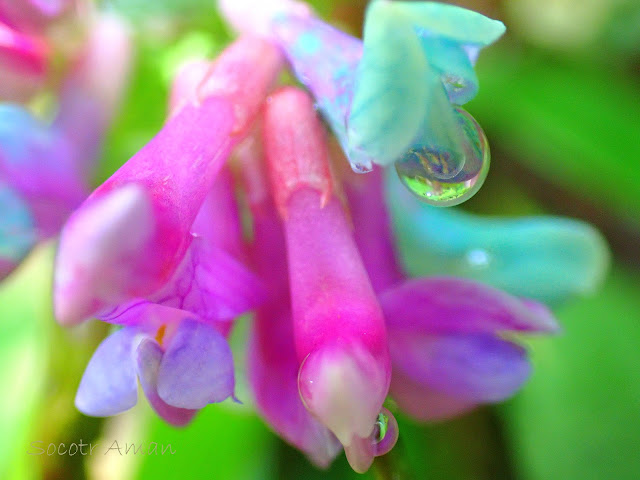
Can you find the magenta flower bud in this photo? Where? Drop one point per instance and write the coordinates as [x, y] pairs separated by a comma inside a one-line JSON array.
[[339, 329], [156, 196]]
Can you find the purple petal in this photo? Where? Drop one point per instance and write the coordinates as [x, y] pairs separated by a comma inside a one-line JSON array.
[[454, 305], [422, 402], [109, 384], [211, 284], [197, 367], [476, 368], [148, 358]]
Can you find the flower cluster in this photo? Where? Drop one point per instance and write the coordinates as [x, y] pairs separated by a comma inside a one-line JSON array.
[[159, 249], [46, 162]]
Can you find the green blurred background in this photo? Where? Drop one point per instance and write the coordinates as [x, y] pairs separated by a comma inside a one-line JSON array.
[[560, 103]]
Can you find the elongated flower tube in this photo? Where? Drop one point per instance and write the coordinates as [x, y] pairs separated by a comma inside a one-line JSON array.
[[272, 362], [339, 330], [131, 234], [550, 259], [47, 166], [446, 335], [212, 281], [392, 99]]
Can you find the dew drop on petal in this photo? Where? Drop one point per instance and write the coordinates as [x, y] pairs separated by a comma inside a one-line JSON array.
[[420, 168], [385, 433]]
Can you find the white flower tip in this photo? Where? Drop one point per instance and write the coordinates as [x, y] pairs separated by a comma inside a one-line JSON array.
[[344, 389], [99, 246]]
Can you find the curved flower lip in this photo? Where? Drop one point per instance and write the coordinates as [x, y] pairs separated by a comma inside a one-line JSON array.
[[342, 385], [148, 358], [149, 204], [339, 330], [193, 368]]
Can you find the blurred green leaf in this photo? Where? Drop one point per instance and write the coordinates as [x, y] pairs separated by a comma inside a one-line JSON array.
[[222, 443], [465, 448], [575, 124], [23, 361], [579, 417]]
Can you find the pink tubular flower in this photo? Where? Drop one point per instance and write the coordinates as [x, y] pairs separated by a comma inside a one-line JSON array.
[[129, 237], [173, 340], [272, 361], [339, 329], [446, 335]]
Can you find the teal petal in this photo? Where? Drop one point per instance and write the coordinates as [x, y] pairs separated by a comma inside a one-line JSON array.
[[455, 23], [17, 232], [20, 134], [452, 62], [545, 258], [391, 91]]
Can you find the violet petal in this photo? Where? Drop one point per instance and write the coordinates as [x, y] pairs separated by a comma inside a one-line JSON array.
[[454, 305], [109, 384], [148, 358], [211, 284], [197, 367], [478, 368], [422, 402]]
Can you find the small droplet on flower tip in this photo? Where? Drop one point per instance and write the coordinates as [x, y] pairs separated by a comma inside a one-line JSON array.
[[385, 433]]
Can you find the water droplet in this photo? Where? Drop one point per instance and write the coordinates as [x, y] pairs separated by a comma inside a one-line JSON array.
[[385, 433], [360, 163], [421, 169]]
